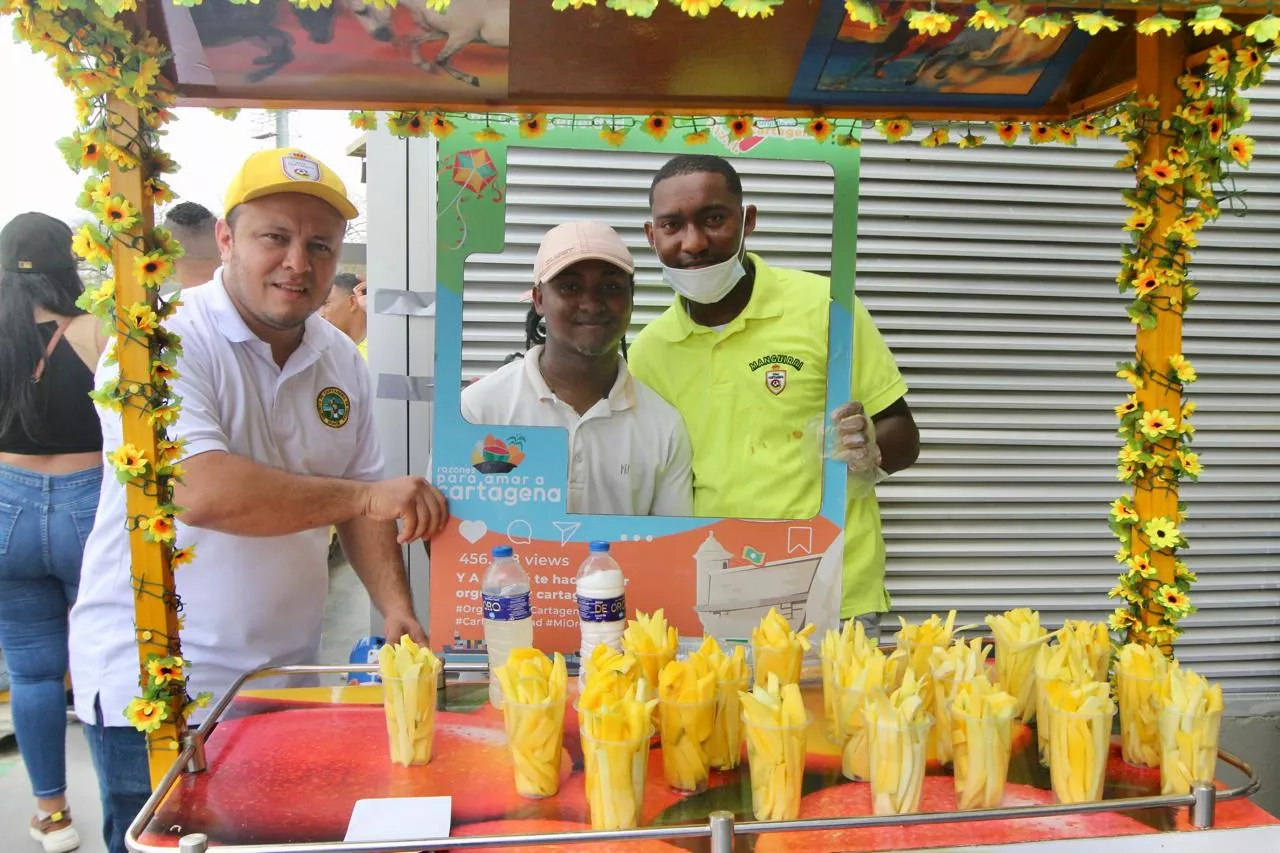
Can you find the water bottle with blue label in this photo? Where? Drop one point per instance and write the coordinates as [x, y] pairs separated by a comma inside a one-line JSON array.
[[508, 620], [602, 603]]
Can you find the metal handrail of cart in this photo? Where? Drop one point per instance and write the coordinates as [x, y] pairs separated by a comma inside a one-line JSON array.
[[720, 827]]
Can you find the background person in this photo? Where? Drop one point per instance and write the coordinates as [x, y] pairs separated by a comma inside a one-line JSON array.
[[628, 449], [742, 354], [192, 225], [345, 309], [277, 415], [50, 474]]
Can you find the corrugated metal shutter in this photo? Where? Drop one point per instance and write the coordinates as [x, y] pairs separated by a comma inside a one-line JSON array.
[[990, 273], [1007, 325]]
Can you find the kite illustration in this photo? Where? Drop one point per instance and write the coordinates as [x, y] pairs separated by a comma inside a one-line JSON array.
[[475, 174]]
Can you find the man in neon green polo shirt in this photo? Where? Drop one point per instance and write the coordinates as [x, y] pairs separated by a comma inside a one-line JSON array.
[[742, 354]]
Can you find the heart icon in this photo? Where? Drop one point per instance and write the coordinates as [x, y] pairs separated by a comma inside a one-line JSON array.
[[473, 531]]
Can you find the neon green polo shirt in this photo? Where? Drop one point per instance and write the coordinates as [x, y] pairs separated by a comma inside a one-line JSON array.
[[752, 396]]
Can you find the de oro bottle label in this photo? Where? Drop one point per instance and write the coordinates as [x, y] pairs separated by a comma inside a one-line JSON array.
[[602, 609], [507, 608]]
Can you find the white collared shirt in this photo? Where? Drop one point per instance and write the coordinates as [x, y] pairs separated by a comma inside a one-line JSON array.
[[629, 454], [248, 601]]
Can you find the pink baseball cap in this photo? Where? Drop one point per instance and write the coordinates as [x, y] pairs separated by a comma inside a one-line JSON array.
[[581, 240]]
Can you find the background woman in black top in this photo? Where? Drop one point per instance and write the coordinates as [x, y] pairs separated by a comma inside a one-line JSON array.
[[50, 475]]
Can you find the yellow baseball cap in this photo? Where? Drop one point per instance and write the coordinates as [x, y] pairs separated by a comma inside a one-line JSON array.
[[288, 170]]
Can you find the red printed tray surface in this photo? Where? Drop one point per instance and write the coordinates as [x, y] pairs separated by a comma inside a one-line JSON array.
[[288, 767]]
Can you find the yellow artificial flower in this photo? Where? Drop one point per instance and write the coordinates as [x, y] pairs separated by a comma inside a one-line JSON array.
[[1158, 23], [929, 22], [657, 126], [1041, 133], [1182, 573], [1162, 534], [1127, 161], [863, 12], [1066, 134], [1176, 603], [697, 8], [1264, 29], [440, 127], [1123, 512], [1008, 131], [1188, 409], [1182, 368], [1088, 128], [533, 125], [1129, 375], [1095, 22], [163, 415], [182, 556], [1122, 591], [414, 125], [1126, 471], [697, 137], [1219, 63], [987, 16], [613, 136], [1194, 86], [142, 318], [938, 137], [129, 460], [158, 190], [152, 269], [1161, 172], [1140, 220], [1146, 283], [740, 127], [1121, 620], [87, 243], [486, 134], [1162, 635], [752, 8], [1156, 423], [971, 140], [363, 119], [1208, 19], [1241, 148], [1128, 407], [819, 128], [94, 299], [1214, 129], [146, 715], [1249, 59], [1190, 462], [1141, 566], [159, 527], [1044, 26], [1177, 155], [118, 215], [163, 670], [894, 129]]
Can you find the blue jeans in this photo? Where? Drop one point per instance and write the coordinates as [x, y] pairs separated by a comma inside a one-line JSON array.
[[44, 521], [124, 777]]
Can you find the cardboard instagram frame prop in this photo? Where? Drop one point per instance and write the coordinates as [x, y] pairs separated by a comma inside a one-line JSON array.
[[507, 485]]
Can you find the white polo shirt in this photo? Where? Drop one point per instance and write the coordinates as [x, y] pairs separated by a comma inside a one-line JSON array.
[[629, 454], [248, 601]]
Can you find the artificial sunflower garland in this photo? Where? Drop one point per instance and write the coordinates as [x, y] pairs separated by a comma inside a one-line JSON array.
[[121, 105]]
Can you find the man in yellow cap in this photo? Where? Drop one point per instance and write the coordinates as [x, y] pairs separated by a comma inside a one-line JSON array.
[[277, 420]]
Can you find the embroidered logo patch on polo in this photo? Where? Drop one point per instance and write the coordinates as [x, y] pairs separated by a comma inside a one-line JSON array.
[[300, 168], [775, 379], [334, 407]]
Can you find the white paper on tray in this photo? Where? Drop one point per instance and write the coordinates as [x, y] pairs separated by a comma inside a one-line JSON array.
[[400, 819]]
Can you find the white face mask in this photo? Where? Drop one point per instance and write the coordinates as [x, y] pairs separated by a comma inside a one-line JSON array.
[[708, 285]]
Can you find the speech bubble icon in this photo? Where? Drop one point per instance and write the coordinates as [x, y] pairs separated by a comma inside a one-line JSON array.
[[520, 532], [473, 531]]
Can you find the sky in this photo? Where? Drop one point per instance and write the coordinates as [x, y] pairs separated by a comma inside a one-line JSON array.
[[39, 111]]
